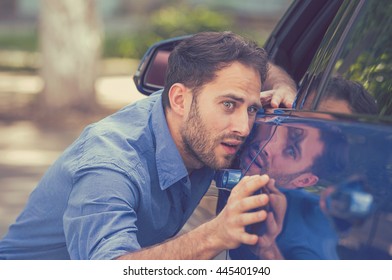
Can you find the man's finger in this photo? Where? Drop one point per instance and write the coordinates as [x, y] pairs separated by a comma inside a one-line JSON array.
[[278, 98], [250, 218], [266, 97], [267, 94], [252, 202], [283, 96], [248, 186]]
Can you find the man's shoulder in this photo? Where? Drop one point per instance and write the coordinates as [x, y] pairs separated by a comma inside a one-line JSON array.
[[135, 113], [124, 127], [122, 140]]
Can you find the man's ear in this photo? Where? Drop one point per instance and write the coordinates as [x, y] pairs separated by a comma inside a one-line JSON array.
[[304, 180], [177, 97]]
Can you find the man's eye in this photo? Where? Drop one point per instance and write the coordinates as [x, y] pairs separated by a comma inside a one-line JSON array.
[[253, 110], [229, 105], [290, 151]]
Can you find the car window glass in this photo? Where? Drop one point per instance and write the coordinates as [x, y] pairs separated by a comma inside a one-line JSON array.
[[361, 80]]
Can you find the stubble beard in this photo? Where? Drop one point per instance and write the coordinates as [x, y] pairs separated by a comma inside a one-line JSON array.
[[199, 143]]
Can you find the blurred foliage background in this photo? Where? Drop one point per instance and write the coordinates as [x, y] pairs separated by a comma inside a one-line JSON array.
[[130, 27], [33, 43]]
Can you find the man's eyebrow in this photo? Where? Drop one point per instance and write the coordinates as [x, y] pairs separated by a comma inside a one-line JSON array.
[[233, 96]]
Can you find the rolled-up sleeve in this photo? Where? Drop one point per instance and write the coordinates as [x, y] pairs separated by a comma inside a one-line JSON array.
[[100, 219]]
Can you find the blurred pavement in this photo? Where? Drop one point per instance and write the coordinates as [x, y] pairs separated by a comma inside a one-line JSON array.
[[28, 149]]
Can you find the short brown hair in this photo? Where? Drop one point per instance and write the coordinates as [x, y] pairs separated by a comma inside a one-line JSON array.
[[195, 61]]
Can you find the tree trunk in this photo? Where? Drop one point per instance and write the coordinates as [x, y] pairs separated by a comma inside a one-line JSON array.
[[70, 38]]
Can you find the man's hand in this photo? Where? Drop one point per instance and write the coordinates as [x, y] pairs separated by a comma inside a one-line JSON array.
[[229, 225], [275, 98], [279, 89], [226, 231], [266, 247]]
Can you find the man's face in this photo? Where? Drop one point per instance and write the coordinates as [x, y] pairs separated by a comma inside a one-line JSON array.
[[285, 153], [220, 117]]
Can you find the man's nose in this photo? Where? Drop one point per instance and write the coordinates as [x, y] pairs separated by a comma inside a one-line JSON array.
[[267, 154], [241, 124], [272, 149]]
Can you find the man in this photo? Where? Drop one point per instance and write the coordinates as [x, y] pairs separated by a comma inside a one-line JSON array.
[[295, 154], [130, 182]]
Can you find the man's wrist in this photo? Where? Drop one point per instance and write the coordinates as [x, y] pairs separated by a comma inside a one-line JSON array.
[[209, 235]]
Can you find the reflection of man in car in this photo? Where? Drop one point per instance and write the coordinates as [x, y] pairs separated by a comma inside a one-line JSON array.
[[291, 154], [295, 155], [343, 96]]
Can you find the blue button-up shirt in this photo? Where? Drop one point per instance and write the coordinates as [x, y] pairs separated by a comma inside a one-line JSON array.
[[120, 186]]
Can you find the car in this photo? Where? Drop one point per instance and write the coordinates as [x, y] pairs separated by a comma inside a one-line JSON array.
[[339, 52]]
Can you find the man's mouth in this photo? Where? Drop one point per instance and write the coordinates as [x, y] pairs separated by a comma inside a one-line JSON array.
[[231, 146]]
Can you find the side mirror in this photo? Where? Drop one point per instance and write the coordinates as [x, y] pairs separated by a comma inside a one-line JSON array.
[[150, 74]]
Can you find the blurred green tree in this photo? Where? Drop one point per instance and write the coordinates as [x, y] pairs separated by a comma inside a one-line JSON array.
[[368, 55], [70, 41], [167, 22]]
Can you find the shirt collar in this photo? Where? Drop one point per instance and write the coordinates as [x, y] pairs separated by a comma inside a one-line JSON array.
[[169, 163]]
